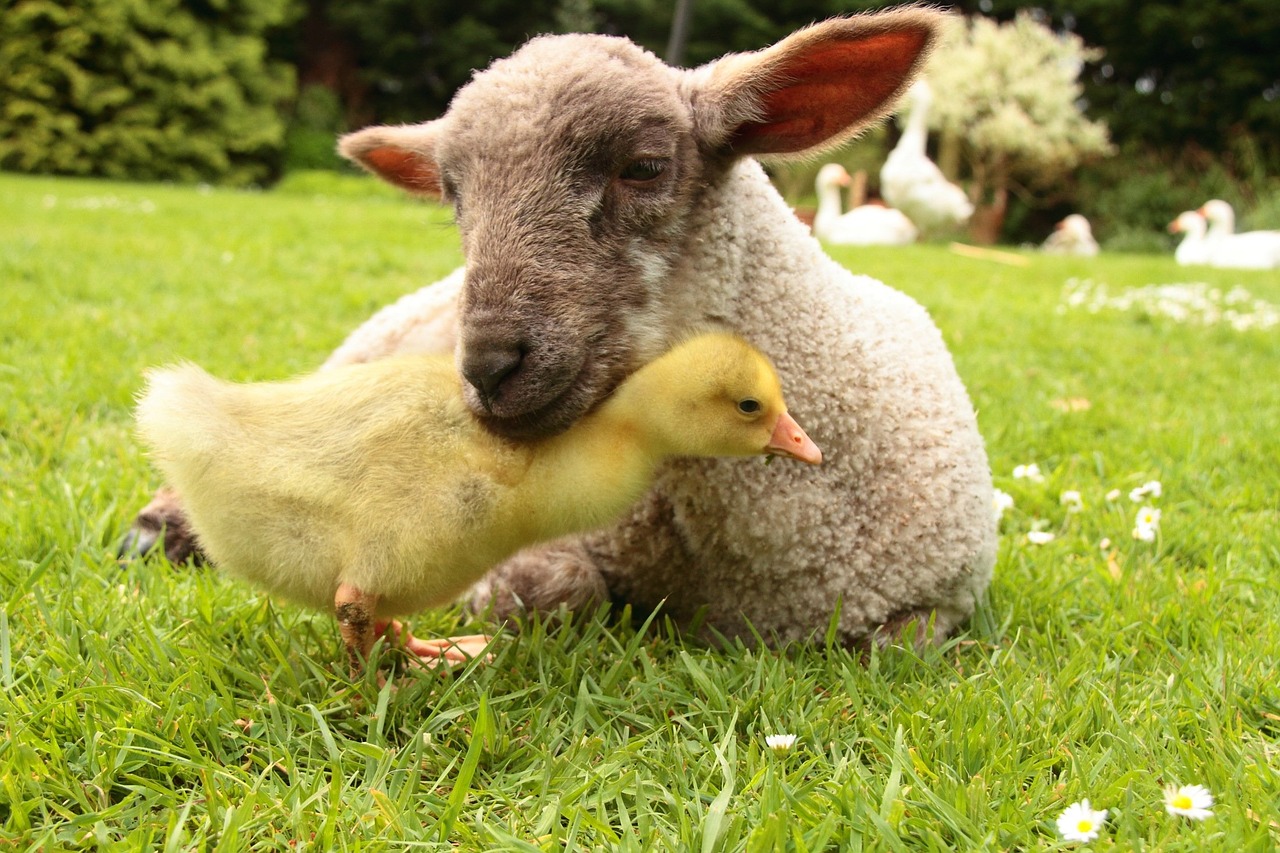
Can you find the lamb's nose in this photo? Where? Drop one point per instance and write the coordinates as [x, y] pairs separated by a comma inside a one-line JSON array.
[[486, 366]]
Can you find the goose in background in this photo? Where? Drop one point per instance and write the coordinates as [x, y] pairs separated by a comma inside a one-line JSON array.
[[1250, 250], [1072, 236], [1192, 249], [912, 183], [864, 225]]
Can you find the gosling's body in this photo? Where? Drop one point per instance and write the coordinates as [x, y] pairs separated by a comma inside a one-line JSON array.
[[376, 478]]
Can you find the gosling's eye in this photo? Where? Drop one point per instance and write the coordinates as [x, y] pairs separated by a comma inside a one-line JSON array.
[[748, 406], [643, 171]]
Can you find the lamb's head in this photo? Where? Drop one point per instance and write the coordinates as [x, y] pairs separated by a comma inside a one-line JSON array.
[[575, 167]]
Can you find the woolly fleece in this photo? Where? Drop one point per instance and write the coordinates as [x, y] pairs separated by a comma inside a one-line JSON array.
[[895, 525]]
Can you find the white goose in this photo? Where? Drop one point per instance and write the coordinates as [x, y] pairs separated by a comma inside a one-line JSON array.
[[865, 225], [1072, 236], [1250, 250], [913, 183], [1193, 249]]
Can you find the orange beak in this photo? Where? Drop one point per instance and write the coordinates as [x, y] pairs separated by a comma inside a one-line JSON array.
[[789, 440]]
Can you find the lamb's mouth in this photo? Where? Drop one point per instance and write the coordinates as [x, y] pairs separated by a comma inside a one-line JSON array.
[[579, 396]]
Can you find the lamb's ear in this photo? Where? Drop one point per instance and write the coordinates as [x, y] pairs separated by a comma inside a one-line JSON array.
[[817, 87], [402, 155]]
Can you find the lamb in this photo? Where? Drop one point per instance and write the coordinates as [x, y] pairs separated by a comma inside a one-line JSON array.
[[607, 203]]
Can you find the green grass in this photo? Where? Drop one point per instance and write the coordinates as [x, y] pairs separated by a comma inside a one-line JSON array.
[[147, 706]]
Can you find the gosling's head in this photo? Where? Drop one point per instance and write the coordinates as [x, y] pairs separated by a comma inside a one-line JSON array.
[[720, 396]]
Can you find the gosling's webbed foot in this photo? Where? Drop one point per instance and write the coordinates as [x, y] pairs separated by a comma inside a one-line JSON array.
[[441, 652]]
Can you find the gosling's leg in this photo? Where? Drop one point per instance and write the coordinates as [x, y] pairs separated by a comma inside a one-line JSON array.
[[354, 609]]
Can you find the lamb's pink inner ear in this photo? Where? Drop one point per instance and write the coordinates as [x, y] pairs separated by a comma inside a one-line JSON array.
[[406, 169], [836, 87]]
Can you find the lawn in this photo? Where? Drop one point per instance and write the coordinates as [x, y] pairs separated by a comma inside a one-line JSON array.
[[150, 706]]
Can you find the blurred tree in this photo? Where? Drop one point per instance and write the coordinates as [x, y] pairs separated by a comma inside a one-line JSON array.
[[402, 60], [144, 89], [1178, 72], [1007, 96]]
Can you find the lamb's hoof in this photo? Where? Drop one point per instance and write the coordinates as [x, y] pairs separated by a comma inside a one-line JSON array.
[[545, 579], [161, 522]]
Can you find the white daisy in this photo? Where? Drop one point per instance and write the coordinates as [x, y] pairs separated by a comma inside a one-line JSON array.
[[1072, 501], [1081, 823], [780, 743], [1191, 801], [1150, 488], [1001, 501], [1028, 472], [1113, 495], [1039, 537], [1147, 524], [1105, 544]]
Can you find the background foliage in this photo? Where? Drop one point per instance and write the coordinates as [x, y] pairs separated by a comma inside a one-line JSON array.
[[1006, 98], [149, 89], [202, 89]]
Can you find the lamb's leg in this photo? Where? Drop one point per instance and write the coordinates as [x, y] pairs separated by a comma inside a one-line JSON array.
[[917, 628], [544, 579], [162, 520]]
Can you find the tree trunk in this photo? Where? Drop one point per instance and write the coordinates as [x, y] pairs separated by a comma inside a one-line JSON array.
[[988, 217], [328, 58]]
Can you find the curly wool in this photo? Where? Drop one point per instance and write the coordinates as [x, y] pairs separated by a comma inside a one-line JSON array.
[[897, 522]]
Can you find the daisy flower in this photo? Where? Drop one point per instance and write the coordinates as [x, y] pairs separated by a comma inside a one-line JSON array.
[[1080, 822], [1072, 501], [1028, 472], [1039, 537], [1113, 495], [1147, 524], [1149, 489], [780, 743], [1105, 543], [1001, 501], [1191, 801]]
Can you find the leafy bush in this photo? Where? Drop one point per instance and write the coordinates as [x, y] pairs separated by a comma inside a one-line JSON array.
[[146, 89], [311, 140], [1131, 198]]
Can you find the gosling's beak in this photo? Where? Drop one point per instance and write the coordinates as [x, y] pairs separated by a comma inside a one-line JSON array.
[[789, 440]]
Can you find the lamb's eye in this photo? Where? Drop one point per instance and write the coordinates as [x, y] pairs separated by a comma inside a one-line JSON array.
[[643, 171], [748, 406], [450, 195]]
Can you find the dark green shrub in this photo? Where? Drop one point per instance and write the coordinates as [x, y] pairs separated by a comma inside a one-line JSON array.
[[1131, 198], [143, 89], [311, 140]]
